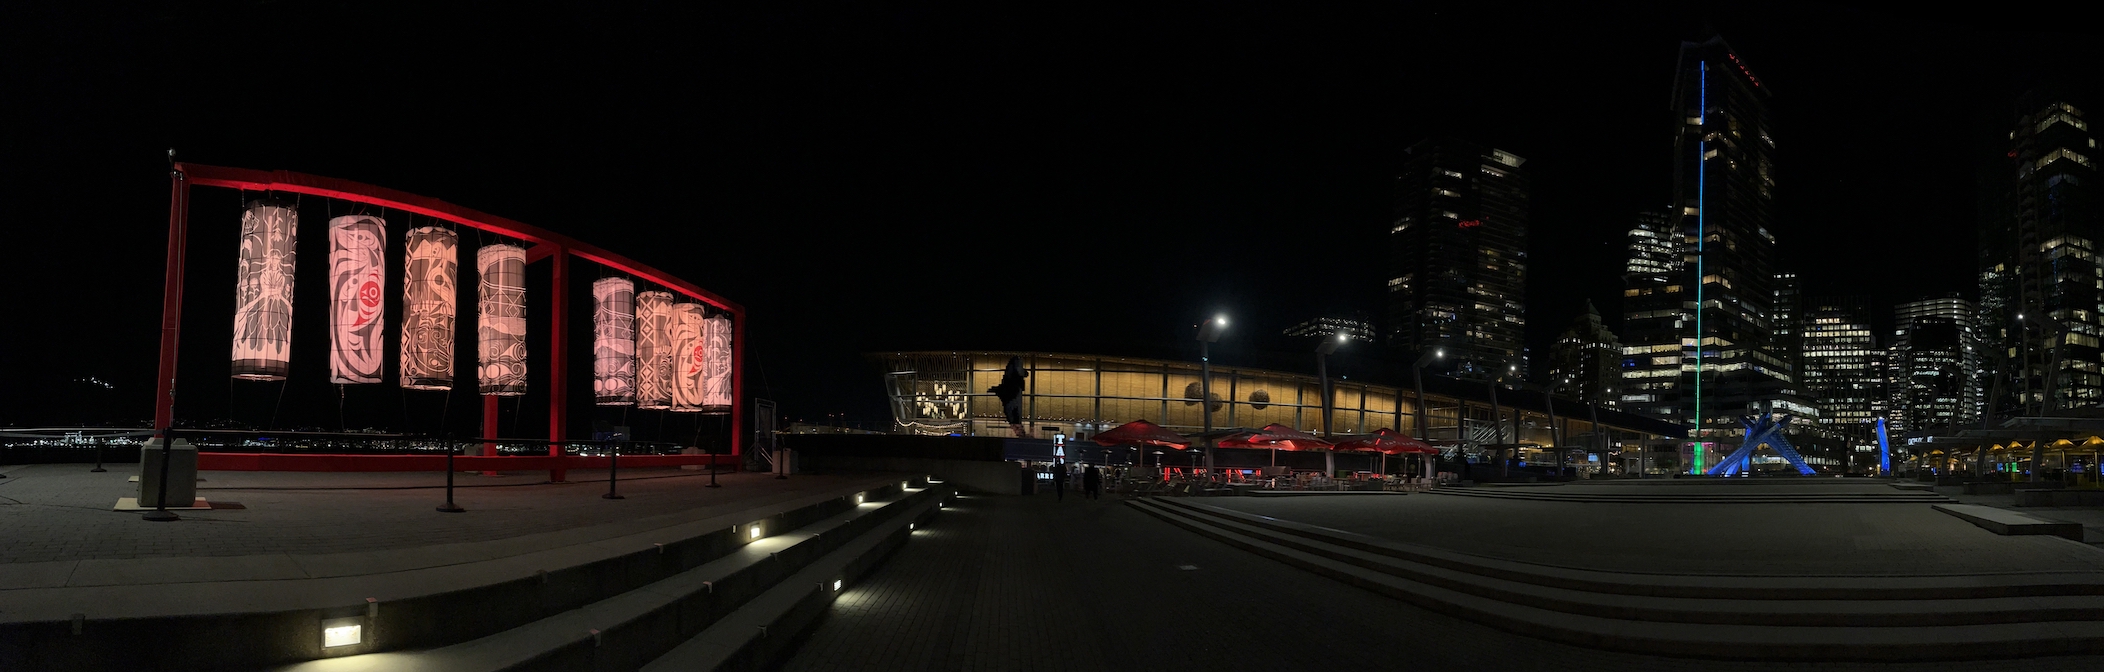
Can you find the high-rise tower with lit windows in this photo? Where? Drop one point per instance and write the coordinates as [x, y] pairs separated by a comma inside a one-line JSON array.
[[2041, 282], [1722, 209], [1459, 253]]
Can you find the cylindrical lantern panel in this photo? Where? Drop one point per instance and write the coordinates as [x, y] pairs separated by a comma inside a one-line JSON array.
[[357, 266], [263, 293], [716, 363], [503, 319], [430, 292], [687, 357], [614, 341], [654, 350]]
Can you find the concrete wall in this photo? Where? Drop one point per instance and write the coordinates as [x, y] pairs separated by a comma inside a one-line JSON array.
[[995, 478]]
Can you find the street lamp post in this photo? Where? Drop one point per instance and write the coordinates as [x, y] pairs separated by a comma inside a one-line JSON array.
[[1417, 378], [1208, 334], [1323, 351], [2049, 402]]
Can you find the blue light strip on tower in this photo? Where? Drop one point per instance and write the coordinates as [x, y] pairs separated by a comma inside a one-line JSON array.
[[1701, 187]]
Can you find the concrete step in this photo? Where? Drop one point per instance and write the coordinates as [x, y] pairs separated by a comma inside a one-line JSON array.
[[1672, 497], [1704, 586], [1719, 607], [1703, 640], [2005, 522], [625, 631], [485, 589], [763, 633]]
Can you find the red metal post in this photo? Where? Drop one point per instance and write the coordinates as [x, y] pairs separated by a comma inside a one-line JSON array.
[[558, 361], [172, 300], [489, 428], [738, 405]]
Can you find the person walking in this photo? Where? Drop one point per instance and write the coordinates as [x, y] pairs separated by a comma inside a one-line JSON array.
[[1010, 392], [1059, 481], [1092, 482]]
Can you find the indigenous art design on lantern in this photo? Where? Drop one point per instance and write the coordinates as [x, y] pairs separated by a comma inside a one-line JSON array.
[[430, 296], [716, 363], [654, 350], [503, 320], [687, 348], [357, 268], [263, 291], [614, 341]]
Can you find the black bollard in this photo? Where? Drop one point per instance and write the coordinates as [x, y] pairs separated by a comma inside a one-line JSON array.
[[449, 506], [613, 473], [160, 512], [712, 468], [98, 458]]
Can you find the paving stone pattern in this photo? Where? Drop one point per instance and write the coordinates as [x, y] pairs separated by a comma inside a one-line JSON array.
[[55, 512], [1030, 583]]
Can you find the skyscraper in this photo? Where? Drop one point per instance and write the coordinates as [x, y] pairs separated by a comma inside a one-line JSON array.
[[1844, 368], [1459, 249], [1935, 366], [1657, 300], [1723, 195], [1589, 356], [2048, 269]]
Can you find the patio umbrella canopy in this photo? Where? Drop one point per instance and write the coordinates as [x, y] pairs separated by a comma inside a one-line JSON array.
[[1142, 432], [1387, 441]]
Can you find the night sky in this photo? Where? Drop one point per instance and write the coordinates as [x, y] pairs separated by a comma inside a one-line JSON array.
[[935, 177]]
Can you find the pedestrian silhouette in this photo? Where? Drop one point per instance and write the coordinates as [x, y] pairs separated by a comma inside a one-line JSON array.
[[1091, 482]]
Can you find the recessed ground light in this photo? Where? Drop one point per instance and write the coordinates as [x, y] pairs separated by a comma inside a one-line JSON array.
[[341, 632]]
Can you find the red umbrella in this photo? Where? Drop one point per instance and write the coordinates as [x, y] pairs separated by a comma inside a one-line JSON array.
[[1386, 440], [1142, 432], [1277, 433]]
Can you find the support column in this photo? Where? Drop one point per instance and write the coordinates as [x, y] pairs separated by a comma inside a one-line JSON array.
[[738, 402], [558, 357], [172, 298], [489, 429]]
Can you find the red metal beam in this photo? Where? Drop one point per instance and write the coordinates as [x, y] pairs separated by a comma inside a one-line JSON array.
[[359, 192], [330, 462], [558, 361], [545, 244], [172, 301]]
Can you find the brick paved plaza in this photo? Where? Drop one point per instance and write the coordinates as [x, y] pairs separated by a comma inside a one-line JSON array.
[[1030, 583]]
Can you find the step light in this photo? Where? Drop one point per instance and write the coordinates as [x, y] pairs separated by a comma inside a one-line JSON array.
[[753, 532], [836, 585], [341, 632]]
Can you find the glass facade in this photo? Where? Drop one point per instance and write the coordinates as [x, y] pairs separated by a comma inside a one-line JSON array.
[[1935, 366], [941, 393], [1459, 251]]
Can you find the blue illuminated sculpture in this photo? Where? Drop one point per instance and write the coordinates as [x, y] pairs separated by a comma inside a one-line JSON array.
[[1761, 429]]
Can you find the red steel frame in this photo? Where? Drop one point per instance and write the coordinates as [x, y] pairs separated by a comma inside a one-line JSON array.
[[545, 245]]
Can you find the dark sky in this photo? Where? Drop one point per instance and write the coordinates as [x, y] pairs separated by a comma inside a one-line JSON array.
[[969, 176]]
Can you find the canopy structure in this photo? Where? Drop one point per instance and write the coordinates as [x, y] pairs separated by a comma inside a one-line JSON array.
[[1144, 433]]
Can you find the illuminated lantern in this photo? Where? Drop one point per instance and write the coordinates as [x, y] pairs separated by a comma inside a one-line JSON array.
[[614, 341], [687, 347], [263, 291], [716, 363], [430, 296], [357, 268], [503, 320], [654, 350]]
